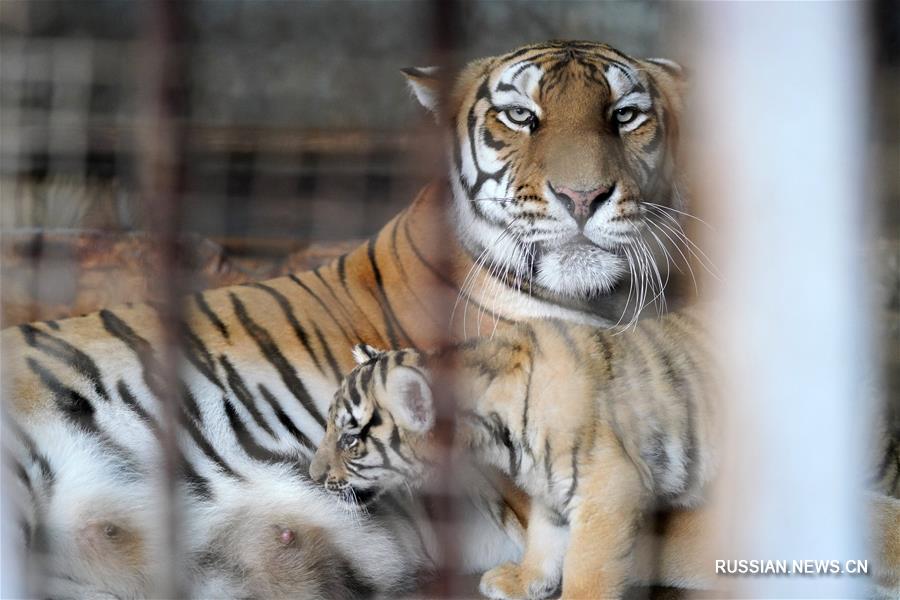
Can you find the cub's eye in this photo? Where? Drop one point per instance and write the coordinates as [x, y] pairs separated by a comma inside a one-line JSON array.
[[626, 115], [520, 116], [348, 440]]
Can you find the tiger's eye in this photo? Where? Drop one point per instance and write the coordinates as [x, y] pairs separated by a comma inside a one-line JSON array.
[[520, 116], [626, 115], [349, 440]]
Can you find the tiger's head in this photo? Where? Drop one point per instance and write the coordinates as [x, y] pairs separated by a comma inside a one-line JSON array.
[[376, 434], [561, 154]]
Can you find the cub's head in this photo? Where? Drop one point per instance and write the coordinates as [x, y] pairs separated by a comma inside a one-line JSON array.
[[377, 426], [562, 162]]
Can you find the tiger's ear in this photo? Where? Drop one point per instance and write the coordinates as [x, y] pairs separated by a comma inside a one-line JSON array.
[[671, 80], [671, 67], [425, 83], [669, 73], [409, 395], [363, 353]]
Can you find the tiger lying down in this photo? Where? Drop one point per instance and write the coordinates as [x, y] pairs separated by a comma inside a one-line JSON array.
[[625, 424]]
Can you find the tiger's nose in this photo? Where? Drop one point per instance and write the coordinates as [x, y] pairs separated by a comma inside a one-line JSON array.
[[582, 204]]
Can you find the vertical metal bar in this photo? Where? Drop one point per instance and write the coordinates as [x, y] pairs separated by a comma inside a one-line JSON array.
[[783, 96], [443, 504], [160, 154]]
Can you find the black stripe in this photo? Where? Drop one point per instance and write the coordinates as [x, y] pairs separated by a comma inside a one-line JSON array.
[[490, 141], [483, 176], [350, 318], [506, 438], [571, 345], [374, 421], [351, 422], [380, 447], [324, 306], [20, 472], [200, 299], [355, 469], [651, 146], [365, 376], [397, 444], [571, 491], [246, 440], [329, 357], [206, 448], [405, 279], [288, 311], [198, 354], [342, 270], [273, 354], [548, 464], [199, 486], [74, 406], [129, 400], [886, 461], [37, 457], [79, 411], [383, 364], [284, 419], [141, 348], [353, 392], [239, 388], [66, 352], [390, 319], [681, 386]]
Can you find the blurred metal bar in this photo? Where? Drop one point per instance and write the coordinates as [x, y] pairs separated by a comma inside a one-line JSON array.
[[162, 89], [443, 500], [783, 94]]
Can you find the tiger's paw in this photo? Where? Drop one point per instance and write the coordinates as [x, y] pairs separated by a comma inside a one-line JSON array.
[[510, 581]]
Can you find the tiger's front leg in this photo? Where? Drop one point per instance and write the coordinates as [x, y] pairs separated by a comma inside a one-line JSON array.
[[604, 521], [538, 575]]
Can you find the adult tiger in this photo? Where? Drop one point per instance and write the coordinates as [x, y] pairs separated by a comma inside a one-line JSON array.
[[563, 168]]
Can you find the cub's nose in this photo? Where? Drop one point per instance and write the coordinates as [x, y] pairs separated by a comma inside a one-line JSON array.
[[582, 204]]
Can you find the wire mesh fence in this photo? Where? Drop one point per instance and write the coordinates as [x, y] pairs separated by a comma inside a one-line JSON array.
[[153, 150]]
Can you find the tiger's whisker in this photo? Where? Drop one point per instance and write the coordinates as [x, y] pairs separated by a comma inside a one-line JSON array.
[[677, 247], [691, 247], [681, 212]]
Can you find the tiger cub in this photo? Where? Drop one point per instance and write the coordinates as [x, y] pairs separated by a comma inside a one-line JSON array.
[[596, 427]]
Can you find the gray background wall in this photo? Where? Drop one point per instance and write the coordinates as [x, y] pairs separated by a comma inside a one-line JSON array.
[[317, 64]]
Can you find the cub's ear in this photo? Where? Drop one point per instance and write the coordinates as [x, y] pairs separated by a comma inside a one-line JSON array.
[[409, 395], [425, 83], [363, 353]]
